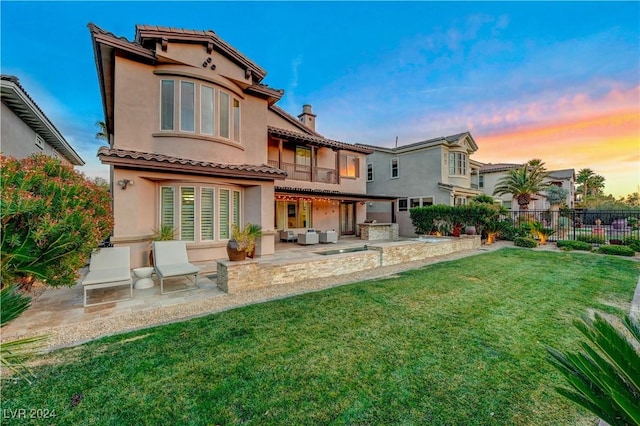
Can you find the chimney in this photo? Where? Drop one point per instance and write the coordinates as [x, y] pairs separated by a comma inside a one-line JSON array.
[[307, 117]]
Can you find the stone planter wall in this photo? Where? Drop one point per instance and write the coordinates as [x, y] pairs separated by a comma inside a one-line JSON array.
[[235, 277]]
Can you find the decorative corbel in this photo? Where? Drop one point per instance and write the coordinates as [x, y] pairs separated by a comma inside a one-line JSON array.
[[164, 43], [247, 73], [209, 47]]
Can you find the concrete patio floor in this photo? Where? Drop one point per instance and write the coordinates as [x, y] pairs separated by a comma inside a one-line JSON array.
[[60, 314]]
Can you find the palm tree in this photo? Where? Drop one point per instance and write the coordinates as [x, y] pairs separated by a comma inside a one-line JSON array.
[[102, 134], [583, 178], [523, 182]]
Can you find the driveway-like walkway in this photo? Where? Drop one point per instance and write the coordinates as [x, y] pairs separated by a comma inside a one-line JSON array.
[[60, 314]]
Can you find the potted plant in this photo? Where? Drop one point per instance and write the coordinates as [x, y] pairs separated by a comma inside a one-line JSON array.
[[243, 241], [253, 231], [162, 233]]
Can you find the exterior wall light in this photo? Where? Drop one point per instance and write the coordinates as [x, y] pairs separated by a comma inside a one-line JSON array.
[[123, 183]]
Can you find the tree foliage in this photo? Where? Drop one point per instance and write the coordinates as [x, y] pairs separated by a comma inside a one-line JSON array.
[[523, 182], [52, 218], [589, 183]]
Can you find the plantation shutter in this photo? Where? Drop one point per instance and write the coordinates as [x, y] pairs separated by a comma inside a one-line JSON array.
[[206, 214], [187, 214], [223, 214], [236, 208], [167, 213]]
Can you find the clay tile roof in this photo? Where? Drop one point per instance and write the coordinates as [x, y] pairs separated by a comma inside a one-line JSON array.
[[498, 167], [315, 140], [152, 161]]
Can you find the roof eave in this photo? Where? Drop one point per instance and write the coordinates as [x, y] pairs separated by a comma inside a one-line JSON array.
[[43, 126]]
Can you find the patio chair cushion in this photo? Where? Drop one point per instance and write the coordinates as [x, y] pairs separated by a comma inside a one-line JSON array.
[[107, 276], [177, 270]]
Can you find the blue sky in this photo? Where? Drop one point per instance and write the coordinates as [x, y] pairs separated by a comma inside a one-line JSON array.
[[557, 81]]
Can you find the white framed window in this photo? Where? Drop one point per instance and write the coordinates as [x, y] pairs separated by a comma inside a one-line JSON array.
[[460, 201], [207, 214], [39, 142], [224, 114], [420, 202], [349, 166], [369, 172], [403, 204], [167, 99], [187, 213], [201, 213], [395, 168], [167, 206], [481, 181], [458, 163], [236, 120], [207, 112], [217, 112], [187, 106]]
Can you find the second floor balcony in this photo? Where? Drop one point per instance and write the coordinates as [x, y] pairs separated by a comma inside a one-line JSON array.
[[306, 173]]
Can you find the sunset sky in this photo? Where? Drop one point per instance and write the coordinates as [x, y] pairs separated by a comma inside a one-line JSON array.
[[556, 81]]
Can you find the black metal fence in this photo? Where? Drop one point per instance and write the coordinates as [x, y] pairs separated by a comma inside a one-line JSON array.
[[594, 226]]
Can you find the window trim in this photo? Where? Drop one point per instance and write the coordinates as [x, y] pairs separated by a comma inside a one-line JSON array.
[[369, 172], [345, 165], [39, 142], [397, 161], [213, 110], [406, 206], [180, 213], [454, 167], [213, 214], [173, 106]]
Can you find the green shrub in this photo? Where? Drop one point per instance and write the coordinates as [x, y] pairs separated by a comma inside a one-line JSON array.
[[617, 250], [525, 242], [590, 238], [634, 243], [52, 218], [574, 245], [605, 374], [511, 232]]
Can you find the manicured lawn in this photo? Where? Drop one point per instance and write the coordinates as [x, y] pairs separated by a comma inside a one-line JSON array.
[[456, 343]]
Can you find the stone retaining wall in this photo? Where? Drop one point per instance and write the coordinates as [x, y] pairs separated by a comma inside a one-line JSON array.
[[236, 277]]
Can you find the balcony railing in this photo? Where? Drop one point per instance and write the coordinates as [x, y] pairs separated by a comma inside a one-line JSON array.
[[298, 172]]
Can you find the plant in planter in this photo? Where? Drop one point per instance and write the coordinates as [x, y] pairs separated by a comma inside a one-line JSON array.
[[254, 231], [243, 241]]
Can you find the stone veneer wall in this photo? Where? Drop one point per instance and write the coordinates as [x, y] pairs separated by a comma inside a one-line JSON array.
[[378, 231], [235, 277]]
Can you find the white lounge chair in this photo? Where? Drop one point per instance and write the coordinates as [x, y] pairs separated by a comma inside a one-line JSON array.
[[109, 267], [170, 260]]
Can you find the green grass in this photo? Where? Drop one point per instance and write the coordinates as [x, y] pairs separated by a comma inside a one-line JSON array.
[[455, 343]]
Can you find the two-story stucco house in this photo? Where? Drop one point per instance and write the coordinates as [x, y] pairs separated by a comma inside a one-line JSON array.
[[196, 142], [434, 171], [490, 174], [26, 130]]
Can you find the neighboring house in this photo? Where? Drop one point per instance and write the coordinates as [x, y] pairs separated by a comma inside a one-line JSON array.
[[435, 171], [565, 179], [197, 142], [25, 129], [490, 174]]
